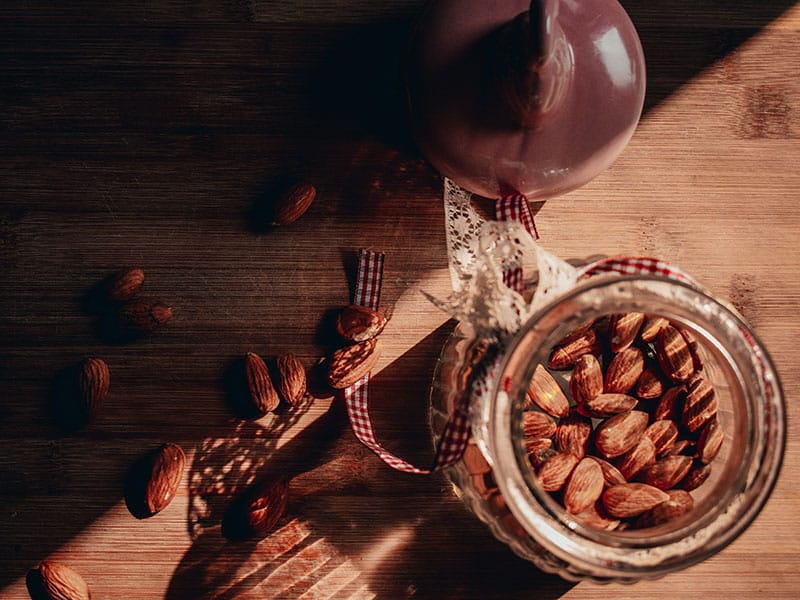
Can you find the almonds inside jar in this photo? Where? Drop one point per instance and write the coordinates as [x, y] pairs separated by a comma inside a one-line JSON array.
[[639, 429]]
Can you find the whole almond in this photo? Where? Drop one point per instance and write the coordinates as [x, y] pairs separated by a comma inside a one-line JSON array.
[[537, 424], [142, 316], [261, 391], [584, 487], [640, 456], [696, 476], [682, 447], [624, 371], [348, 365], [123, 285], [595, 516], [650, 385], [540, 456], [294, 203], [93, 384], [632, 499], [673, 354], [670, 407], [700, 406], [291, 378], [266, 506], [538, 444], [620, 433], [663, 434], [165, 476], [573, 434], [554, 473], [572, 348], [357, 323], [607, 405], [586, 381], [54, 581], [624, 328], [667, 472], [710, 441], [651, 326], [694, 348], [545, 392], [611, 474], [679, 503]]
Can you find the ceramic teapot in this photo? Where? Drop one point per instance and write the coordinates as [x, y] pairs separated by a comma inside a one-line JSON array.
[[507, 96]]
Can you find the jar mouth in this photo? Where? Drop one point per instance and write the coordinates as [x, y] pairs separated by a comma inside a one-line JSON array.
[[751, 411]]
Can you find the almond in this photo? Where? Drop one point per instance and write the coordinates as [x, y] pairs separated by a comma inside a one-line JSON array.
[[291, 379], [586, 381], [624, 328], [54, 581], [142, 316], [554, 472], [650, 385], [679, 503], [651, 326], [696, 476], [536, 424], [682, 447], [710, 441], [539, 456], [595, 516], [632, 499], [694, 348], [573, 434], [667, 472], [663, 434], [624, 371], [700, 405], [584, 487], [261, 391], [533, 445], [93, 383], [545, 392], [671, 404], [620, 433], [266, 506], [123, 285], [636, 459], [293, 203], [611, 474], [359, 323], [163, 477], [607, 405], [349, 364], [572, 348], [673, 354]]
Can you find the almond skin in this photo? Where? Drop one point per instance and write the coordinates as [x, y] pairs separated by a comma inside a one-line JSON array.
[[554, 473], [349, 364], [700, 406], [293, 204], [54, 581], [165, 477], [611, 473], [93, 383], [142, 316], [623, 330], [673, 354], [667, 472], [571, 348], [620, 433], [670, 407], [266, 506], [650, 385], [651, 326], [696, 476], [624, 371], [291, 379], [357, 323], [694, 348], [536, 424], [710, 441], [545, 392], [632, 499], [584, 487], [607, 405], [663, 434], [573, 434], [123, 285], [595, 516], [262, 394], [680, 502], [586, 381], [633, 461]]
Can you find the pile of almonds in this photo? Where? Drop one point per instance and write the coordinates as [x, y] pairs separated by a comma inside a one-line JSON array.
[[640, 431]]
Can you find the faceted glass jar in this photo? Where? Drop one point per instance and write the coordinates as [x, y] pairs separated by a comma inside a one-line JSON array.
[[498, 483]]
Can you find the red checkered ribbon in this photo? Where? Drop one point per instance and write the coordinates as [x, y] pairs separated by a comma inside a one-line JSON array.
[[456, 433], [515, 208]]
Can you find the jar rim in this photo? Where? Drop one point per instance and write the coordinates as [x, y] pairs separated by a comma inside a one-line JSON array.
[[614, 555]]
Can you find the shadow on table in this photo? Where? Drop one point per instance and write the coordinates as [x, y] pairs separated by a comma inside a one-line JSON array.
[[353, 527]]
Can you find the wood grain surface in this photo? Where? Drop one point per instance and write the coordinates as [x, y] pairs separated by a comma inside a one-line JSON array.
[[154, 133]]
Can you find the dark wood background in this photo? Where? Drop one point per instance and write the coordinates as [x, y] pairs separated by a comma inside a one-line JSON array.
[[151, 134]]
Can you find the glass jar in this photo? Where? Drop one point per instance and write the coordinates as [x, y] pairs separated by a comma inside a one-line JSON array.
[[498, 483]]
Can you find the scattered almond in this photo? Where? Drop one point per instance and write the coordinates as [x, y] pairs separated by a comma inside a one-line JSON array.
[[291, 379], [266, 506], [294, 203], [348, 365], [93, 383], [55, 581], [142, 316], [357, 323], [262, 394], [123, 285]]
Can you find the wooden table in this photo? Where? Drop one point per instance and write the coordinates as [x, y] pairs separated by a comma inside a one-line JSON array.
[[145, 134]]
